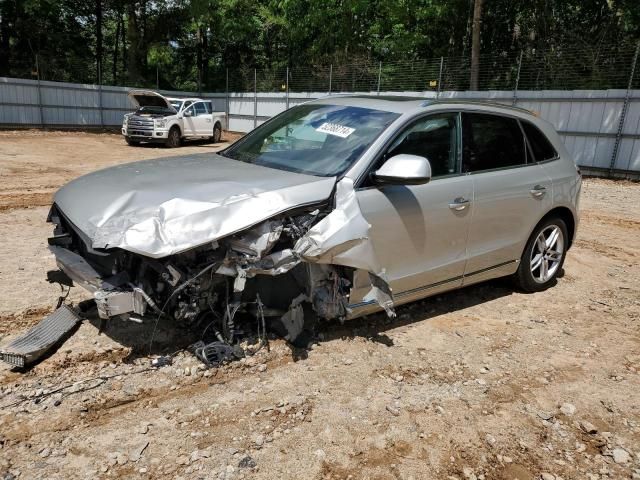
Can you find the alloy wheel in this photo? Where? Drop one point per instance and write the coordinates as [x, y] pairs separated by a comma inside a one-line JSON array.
[[547, 253]]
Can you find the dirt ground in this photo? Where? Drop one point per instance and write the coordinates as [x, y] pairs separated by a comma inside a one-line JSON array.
[[482, 383]]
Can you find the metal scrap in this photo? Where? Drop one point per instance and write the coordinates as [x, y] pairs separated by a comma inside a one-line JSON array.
[[215, 354]]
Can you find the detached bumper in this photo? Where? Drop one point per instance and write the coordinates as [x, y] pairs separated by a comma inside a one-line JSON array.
[[36, 342], [111, 300]]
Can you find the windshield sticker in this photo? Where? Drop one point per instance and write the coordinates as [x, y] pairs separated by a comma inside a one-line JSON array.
[[335, 129]]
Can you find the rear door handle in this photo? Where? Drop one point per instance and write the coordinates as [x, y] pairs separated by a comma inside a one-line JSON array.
[[538, 191], [459, 204]]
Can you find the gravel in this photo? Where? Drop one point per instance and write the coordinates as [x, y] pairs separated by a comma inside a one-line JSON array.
[[332, 420]]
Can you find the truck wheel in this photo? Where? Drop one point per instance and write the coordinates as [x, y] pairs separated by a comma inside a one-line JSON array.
[[173, 140], [217, 133], [133, 143]]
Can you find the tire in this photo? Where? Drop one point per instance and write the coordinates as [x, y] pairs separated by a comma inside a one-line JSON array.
[[173, 140], [217, 133], [133, 143], [543, 257]]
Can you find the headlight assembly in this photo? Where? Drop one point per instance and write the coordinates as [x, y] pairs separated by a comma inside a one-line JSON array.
[[161, 123]]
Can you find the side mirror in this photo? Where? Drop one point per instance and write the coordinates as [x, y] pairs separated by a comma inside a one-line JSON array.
[[188, 113], [403, 169]]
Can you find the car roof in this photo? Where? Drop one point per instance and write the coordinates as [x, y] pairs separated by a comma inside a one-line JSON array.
[[411, 104]]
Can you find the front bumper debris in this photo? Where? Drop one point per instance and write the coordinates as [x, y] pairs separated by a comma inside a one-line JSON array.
[[110, 300], [36, 342]]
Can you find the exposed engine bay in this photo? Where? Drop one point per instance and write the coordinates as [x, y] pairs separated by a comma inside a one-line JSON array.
[[287, 272]]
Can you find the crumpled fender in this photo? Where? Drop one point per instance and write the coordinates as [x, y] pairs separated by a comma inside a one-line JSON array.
[[342, 238]]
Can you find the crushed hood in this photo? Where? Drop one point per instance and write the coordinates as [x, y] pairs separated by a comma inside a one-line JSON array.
[[166, 206], [148, 98]]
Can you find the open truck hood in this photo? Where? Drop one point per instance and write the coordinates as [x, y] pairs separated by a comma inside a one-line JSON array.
[[166, 206], [149, 98]]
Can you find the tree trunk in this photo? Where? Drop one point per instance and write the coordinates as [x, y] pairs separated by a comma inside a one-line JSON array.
[[124, 43], [475, 44], [99, 41], [133, 37], [199, 58], [115, 51], [6, 16], [205, 58]]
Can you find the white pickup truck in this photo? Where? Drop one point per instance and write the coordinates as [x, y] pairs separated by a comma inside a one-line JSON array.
[[166, 120]]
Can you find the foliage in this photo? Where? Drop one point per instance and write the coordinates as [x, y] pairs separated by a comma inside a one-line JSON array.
[[189, 44]]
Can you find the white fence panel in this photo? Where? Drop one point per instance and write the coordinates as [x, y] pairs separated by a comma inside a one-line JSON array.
[[587, 120]]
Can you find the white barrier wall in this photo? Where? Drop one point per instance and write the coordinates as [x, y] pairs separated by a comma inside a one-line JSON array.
[[587, 120]]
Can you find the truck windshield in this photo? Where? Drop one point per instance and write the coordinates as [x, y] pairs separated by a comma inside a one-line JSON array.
[[176, 104], [152, 110], [315, 139]]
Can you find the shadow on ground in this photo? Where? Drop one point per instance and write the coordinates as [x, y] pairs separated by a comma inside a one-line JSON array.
[[163, 337], [185, 143]]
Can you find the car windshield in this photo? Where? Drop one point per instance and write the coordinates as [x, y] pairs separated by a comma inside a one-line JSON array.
[[315, 139], [176, 104]]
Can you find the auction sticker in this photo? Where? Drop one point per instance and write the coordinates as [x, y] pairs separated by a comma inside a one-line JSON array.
[[335, 129]]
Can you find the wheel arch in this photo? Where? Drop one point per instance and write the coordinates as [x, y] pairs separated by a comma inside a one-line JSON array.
[[566, 215], [176, 125]]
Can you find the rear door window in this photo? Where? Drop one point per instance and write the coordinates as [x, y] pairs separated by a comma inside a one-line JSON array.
[[491, 142], [539, 143]]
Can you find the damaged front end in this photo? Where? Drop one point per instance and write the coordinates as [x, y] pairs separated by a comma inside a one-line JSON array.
[[288, 272]]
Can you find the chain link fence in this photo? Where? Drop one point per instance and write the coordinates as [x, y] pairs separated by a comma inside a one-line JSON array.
[[568, 68], [590, 94]]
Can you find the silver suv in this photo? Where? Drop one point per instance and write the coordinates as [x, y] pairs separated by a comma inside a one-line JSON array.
[[332, 209]]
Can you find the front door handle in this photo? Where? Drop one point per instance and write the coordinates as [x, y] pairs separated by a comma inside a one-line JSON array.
[[538, 191], [459, 204]]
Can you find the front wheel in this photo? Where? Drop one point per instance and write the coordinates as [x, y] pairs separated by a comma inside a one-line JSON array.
[[173, 139], [543, 257], [217, 133]]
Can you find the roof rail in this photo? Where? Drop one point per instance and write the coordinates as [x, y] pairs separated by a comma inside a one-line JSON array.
[[478, 102]]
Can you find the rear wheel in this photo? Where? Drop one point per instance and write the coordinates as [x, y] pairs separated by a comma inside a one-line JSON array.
[[173, 140], [543, 257], [130, 141], [217, 133]]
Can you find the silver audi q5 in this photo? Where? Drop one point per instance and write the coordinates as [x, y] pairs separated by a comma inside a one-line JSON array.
[[335, 208]]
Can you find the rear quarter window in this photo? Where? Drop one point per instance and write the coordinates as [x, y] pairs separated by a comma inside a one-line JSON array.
[[540, 144]]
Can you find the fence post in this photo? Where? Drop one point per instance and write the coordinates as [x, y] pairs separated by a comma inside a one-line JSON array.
[[226, 97], [379, 76], [39, 93], [440, 77], [255, 98], [100, 95], [515, 89], [623, 114], [330, 76], [287, 88], [157, 77]]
